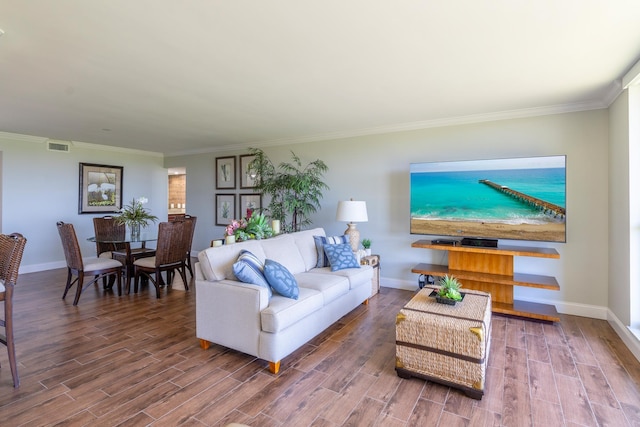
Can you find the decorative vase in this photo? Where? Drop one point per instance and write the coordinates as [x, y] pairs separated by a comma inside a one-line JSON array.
[[367, 251], [135, 230], [230, 239]]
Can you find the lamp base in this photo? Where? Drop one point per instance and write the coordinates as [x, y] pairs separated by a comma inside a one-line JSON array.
[[354, 236]]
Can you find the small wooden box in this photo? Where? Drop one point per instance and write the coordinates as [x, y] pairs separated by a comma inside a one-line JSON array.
[[443, 343], [373, 261]]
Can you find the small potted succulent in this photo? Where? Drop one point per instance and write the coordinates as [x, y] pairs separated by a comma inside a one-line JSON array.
[[366, 244], [449, 292]]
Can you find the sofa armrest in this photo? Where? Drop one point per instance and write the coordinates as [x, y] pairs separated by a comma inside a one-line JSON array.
[[228, 313]]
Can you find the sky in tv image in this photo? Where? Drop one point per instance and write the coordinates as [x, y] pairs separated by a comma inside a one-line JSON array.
[[456, 192]]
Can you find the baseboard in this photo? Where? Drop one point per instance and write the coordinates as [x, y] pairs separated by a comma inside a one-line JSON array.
[[34, 268], [630, 340]]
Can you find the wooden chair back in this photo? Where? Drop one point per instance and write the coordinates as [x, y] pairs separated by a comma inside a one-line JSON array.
[[171, 246], [11, 250], [72, 253], [106, 228]]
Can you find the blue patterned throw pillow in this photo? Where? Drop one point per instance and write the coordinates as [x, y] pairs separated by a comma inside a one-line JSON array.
[[281, 279], [320, 241], [249, 269], [341, 256]]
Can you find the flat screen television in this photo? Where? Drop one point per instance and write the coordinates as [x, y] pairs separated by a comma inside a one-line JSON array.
[[518, 198]]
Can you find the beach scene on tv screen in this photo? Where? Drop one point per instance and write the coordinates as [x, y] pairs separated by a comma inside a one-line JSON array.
[[520, 199]]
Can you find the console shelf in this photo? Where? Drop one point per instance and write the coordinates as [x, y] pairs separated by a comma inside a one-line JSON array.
[[491, 270]]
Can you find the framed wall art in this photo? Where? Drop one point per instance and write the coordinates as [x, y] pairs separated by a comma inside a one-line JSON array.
[[247, 175], [250, 203], [225, 208], [226, 173], [100, 188]]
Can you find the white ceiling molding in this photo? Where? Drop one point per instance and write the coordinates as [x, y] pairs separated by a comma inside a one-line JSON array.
[[451, 121], [632, 77]]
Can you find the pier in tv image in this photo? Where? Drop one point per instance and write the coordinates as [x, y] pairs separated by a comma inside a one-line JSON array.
[[519, 198]]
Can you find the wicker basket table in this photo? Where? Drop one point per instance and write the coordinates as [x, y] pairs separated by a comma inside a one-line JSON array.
[[444, 343]]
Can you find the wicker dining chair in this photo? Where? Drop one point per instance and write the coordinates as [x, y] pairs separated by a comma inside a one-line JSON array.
[[191, 220], [98, 268], [170, 256], [106, 227], [11, 249]]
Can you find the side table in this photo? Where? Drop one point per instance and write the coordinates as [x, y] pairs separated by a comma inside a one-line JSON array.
[[373, 261]]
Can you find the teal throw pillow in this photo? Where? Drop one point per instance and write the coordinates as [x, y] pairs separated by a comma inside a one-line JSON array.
[[249, 269], [341, 256], [281, 279], [320, 241]]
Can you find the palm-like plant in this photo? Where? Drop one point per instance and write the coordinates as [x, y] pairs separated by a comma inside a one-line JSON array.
[[295, 190]]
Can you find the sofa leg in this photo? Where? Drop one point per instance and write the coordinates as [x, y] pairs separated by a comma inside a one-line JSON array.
[[365, 302], [204, 344], [274, 367]]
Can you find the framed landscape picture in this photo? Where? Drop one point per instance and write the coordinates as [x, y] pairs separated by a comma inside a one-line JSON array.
[[250, 203], [226, 173], [225, 208], [100, 188], [247, 175]]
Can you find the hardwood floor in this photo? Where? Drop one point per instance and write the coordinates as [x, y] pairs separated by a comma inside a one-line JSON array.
[[134, 360]]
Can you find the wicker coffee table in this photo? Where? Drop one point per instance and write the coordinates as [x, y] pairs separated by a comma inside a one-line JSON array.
[[444, 343]]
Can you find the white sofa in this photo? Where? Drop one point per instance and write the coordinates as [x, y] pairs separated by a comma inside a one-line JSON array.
[[243, 317]]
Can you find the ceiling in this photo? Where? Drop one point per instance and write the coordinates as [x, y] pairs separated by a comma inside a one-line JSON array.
[[196, 76]]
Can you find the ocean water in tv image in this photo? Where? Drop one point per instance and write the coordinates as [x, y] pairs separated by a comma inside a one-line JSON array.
[[459, 196]]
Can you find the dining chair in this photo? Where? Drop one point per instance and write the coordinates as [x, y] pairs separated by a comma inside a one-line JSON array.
[[100, 267], [170, 256], [106, 228], [11, 249], [191, 220]]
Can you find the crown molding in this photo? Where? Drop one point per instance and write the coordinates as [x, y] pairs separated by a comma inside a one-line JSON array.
[[453, 121]]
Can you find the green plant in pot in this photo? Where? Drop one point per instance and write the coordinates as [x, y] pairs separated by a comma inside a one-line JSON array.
[[449, 292], [366, 244], [295, 190]]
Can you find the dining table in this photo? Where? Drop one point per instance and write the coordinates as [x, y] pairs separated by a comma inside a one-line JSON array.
[[125, 253]]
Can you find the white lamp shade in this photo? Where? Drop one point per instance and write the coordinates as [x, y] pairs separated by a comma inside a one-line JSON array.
[[352, 211]]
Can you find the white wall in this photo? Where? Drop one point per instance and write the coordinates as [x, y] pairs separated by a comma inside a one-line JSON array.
[[40, 187], [376, 169], [619, 220]]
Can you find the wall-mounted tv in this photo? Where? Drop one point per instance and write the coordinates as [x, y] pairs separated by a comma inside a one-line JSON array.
[[519, 198]]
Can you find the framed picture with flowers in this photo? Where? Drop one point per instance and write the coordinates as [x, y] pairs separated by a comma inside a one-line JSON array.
[[225, 208], [250, 203], [100, 188]]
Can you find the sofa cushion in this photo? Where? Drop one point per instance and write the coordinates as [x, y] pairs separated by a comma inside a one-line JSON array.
[[341, 256], [331, 286], [217, 262], [356, 276], [283, 250], [281, 279], [320, 241], [249, 269], [283, 312]]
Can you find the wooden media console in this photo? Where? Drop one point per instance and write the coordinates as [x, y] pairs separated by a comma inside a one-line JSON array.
[[491, 270]]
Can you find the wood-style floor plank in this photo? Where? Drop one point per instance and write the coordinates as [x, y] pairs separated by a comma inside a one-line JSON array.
[[134, 360]]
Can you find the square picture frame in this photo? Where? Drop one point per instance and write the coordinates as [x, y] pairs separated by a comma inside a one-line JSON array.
[[247, 179], [226, 173], [225, 208], [249, 203], [100, 188]]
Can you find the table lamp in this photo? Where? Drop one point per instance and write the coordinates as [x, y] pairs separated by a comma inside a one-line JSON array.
[[352, 211]]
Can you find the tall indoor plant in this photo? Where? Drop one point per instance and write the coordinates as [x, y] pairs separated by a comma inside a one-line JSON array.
[[295, 191]]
